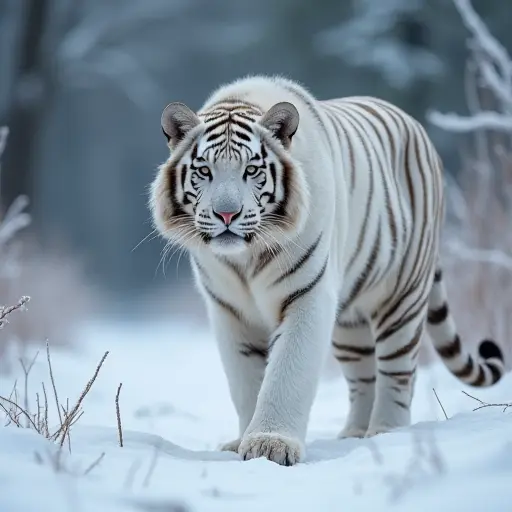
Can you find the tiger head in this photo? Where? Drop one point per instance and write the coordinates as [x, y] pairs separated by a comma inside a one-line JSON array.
[[230, 182]]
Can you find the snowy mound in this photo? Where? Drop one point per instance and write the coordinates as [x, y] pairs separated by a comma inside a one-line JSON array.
[[175, 410]]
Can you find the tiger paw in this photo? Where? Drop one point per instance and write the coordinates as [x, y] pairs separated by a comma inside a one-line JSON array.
[[277, 448], [231, 446]]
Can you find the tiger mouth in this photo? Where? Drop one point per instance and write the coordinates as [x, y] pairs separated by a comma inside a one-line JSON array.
[[228, 236]]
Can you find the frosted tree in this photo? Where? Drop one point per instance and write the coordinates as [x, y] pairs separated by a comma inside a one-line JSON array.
[[389, 37], [479, 240]]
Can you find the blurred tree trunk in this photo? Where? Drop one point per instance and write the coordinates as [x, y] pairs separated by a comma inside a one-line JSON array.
[[27, 109]]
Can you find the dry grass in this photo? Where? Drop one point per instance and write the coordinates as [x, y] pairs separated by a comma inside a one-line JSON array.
[[23, 416]]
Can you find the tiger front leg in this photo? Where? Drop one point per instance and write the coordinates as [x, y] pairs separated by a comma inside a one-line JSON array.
[[278, 428], [243, 355], [397, 347]]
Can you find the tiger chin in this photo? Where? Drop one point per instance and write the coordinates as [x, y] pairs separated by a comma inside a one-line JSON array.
[[311, 225]]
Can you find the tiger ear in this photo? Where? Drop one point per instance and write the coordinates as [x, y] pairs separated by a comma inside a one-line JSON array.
[[282, 120], [177, 120]]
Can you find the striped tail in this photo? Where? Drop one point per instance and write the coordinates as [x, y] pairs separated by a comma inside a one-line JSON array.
[[484, 371]]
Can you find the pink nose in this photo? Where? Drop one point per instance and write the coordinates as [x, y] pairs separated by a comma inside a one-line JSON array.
[[227, 217]]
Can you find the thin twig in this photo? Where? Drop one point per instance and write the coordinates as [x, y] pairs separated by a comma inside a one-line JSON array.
[[46, 427], [75, 409], [118, 414], [38, 415], [21, 410], [439, 401], [26, 372], [9, 414], [53, 380], [483, 404], [7, 310]]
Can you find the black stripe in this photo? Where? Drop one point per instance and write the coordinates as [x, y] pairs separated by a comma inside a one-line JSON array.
[[273, 341], [242, 125], [264, 258], [405, 294], [367, 380], [466, 370], [368, 207], [285, 181], [438, 276], [401, 322], [361, 351], [381, 166], [242, 136], [212, 127], [402, 378], [301, 292], [450, 350], [480, 379], [272, 168], [401, 404], [347, 359], [495, 371], [177, 209], [438, 316], [391, 137], [299, 263], [214, 136], [402, 351], [248, 349], [352, 324], [398, 374], [228, 307], [363, 277]]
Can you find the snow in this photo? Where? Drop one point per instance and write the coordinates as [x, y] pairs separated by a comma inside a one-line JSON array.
[[175, 410]]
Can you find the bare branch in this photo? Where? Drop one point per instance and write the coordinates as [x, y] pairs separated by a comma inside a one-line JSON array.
[[483, 404], [48, 358], [491, 256], [7, 310], [15, 219], [76, 409], [21, 410], [118, 414], [484, 120], [439, 402], [486, 41]]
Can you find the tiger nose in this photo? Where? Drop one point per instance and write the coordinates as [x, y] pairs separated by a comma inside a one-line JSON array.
[[227, 217]]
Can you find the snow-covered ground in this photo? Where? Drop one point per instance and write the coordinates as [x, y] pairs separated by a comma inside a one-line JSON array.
[[175, 410]]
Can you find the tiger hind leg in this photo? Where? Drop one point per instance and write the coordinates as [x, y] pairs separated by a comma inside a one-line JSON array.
[[396, 348], [354, 348]]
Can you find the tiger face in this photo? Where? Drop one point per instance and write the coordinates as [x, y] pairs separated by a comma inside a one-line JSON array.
[[230, 182]]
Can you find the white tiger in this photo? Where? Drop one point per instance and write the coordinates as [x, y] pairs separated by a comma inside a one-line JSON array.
[[309, 221]]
